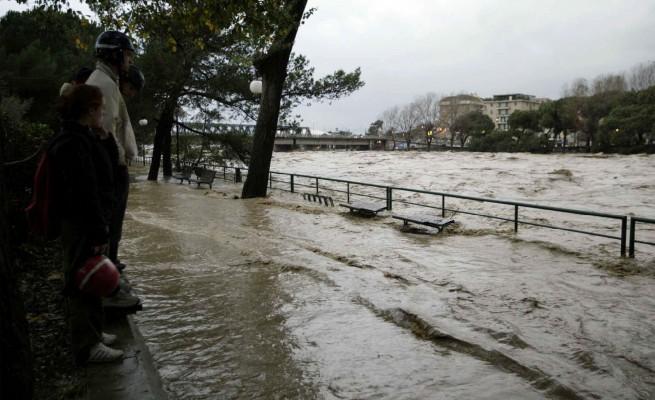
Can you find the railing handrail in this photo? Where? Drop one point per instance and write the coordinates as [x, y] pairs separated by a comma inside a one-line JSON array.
[[643, 219], [465, 197]]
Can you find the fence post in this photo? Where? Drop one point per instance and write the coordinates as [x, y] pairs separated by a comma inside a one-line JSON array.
[[389, 198], [516, 218], [237, 175], [291, 182], [316, 185], [347, 192], [443, 206], [624, 228], [224, 173], [631, 252]]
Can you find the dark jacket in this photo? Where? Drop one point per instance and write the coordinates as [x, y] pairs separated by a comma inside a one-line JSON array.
[[85, 180]]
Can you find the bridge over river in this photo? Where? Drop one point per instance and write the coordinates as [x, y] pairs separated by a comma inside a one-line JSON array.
[[329, 142], [288, 137]]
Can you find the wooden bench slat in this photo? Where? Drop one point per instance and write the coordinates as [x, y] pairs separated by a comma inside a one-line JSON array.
[[431, 221], [364, 207]]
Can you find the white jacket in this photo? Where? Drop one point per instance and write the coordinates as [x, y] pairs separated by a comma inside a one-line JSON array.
[[116, 119]]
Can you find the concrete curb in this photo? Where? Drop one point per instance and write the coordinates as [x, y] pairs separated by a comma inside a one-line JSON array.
[[136, 378]]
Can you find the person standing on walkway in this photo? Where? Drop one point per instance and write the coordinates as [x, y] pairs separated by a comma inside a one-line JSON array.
[[115, 52], [84, 199], [132, 82]]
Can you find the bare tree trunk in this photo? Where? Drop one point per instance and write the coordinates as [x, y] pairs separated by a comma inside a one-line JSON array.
[[273, 69], [166, 154], [16, 375], [163, 131]]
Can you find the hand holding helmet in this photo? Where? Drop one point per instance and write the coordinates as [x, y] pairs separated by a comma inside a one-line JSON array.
[[98, 276]]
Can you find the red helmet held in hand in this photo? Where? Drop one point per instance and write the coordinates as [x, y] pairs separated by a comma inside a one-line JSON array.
[[98, 276]]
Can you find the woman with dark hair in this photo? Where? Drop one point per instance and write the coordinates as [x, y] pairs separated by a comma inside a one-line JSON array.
[[84, 199]]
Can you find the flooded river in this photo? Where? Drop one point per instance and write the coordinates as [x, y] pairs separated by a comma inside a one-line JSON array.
[[281, 298]]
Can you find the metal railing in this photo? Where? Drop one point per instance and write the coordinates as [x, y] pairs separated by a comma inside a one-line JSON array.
[[389, 198], [312, 182], [633, 227]]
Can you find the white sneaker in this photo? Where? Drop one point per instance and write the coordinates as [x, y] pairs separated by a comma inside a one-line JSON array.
[[100, 353], [108, 338]]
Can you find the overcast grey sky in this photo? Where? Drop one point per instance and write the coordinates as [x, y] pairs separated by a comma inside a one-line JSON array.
[[408, 48]]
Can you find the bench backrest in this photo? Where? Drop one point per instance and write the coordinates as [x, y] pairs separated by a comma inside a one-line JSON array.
[[187, 170], [208, 174]]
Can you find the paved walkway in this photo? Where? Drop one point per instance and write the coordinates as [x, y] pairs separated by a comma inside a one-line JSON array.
[[136, 378]]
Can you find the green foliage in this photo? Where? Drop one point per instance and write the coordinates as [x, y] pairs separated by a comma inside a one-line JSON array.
[[39, 50], [506, 141], [559, 115], [473, 123], [524, 121], [21, 138], [630, 125]]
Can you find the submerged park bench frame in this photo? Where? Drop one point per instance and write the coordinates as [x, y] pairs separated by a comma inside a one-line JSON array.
[[364, 208], [313, 182], [184, 174], [203, 175], [427, 220]]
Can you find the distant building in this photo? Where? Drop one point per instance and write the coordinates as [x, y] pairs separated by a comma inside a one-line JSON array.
[[501, 106], [452, 107]]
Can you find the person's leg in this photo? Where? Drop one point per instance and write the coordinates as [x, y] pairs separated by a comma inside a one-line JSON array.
[[116, 226], [85, 312], [86, 325]]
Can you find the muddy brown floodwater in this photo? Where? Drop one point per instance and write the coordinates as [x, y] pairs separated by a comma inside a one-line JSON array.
[[280, 298]]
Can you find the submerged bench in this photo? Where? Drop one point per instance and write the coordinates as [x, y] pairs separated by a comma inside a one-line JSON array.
[[364, 207], [318, 198], [204, 176], [185, 174], [427, 220]]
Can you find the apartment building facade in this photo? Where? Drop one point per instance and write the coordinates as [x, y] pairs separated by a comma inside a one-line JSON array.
[[452, 107], [498, 108], [501, 106]]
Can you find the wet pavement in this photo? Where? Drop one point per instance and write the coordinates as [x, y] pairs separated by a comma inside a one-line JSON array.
[[135, 378]]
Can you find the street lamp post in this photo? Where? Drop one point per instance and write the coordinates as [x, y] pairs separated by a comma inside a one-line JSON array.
[[177, 144], [428, 135]]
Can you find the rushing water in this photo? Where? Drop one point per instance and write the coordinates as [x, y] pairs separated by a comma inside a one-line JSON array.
[[282, 298]]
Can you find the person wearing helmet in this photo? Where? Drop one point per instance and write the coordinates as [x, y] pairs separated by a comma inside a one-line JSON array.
[[79, 78], [132, 82], [83, 197], [114, 53]]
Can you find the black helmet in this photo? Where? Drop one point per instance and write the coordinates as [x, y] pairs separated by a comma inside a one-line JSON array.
[[135, 77], [109, 42]]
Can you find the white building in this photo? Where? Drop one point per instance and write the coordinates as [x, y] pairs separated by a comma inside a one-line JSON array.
[[501, 106]]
